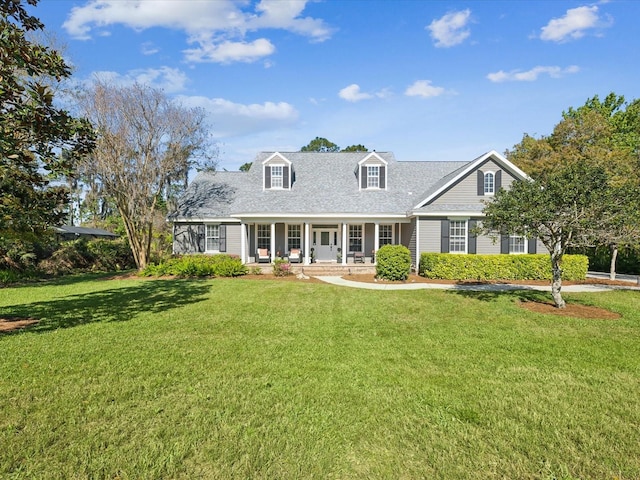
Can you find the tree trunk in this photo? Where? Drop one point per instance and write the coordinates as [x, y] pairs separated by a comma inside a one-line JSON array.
[[556, 285], [614, 257]]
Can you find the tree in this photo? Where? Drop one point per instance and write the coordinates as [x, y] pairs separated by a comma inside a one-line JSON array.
[[33, 130], [320, 144], [562, 208], [245, 167], [145, 148], [355, 148], [604, 133]]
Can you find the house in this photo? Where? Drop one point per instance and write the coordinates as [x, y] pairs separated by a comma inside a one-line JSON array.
[[69, 232], [342, 207]]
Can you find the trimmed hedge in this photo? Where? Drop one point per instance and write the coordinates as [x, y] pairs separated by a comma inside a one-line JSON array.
[[499, 267], [220, 265], [393, 262]]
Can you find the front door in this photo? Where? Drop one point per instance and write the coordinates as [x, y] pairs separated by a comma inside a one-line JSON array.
[[326, 243]]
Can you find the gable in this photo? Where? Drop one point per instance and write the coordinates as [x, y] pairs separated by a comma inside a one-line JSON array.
[[465, 187], [372, 173]]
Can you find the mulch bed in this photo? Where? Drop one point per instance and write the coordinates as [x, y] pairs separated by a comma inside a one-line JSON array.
[[571, 310], [9, 324]]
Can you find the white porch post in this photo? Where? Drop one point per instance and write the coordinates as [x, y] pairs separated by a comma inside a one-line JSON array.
[[273, 242], [376, 239], [307, 257], [345, 247], [243, 243]]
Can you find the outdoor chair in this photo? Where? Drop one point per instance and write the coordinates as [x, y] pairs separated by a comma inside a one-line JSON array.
[[358, 257], [295, 255], [263, 256]]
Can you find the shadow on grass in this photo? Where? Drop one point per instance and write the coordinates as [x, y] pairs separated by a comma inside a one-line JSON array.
[[112, 305], [521, 294], [66, 279]]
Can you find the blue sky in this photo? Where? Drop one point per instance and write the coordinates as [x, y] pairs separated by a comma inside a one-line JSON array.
[[427, 80]]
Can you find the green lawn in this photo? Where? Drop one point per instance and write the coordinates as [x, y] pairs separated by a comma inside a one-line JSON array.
[[237, 378]]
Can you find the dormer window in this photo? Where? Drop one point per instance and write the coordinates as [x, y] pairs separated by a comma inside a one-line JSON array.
[[489, 183], [373, 176], [372, 172], [277, 176]]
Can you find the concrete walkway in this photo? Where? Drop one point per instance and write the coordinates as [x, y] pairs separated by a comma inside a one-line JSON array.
[[491, 287]]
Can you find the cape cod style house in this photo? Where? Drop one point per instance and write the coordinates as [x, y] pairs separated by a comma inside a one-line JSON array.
[[341, 208]]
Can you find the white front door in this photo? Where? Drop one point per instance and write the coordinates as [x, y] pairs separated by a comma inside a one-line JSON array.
[[326, 242]]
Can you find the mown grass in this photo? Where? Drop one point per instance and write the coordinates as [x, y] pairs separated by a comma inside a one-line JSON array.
[[234, 378]]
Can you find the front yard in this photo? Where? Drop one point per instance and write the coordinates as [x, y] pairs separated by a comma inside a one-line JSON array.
[[241, 378]]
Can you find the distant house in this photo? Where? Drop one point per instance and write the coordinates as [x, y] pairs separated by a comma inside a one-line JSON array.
[[67, 232], [342, 207]]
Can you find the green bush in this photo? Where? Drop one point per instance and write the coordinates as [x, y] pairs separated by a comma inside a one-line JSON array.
[[221, 265], [393, 262], [281, 268], [97, 255], [499, 267]]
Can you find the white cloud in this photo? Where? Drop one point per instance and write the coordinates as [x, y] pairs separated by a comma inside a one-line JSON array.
[[424, 89], [148, 48], [228, 52], [531, 75], [352, 93], [170, 80], [219, 27], [229, 119], [451, 29], [573, 25]]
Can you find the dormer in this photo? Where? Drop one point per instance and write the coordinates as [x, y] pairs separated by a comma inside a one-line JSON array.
[[277, 173], [372, 172]]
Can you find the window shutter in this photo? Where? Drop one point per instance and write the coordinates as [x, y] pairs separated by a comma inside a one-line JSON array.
[[533, 245], [200, 238], [480, 183], [504, 243], [473, 240], [222, 234], [498, 181], [267, 177], [444, 236], [285, 176], [363, 177], [383, 176]]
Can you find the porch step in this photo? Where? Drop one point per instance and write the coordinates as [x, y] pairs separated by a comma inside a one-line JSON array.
[[319, 269]]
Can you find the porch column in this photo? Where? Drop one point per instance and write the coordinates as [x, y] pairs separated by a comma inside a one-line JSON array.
[[345, 247], [376, 238], [272, 246], [243, 243], [307, 257]]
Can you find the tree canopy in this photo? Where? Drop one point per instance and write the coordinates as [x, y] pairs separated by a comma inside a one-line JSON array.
[[33, 130], [320, 144]]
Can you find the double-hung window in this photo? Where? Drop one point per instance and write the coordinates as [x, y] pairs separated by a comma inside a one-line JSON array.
[[213, 238], [264, 236], [294, 234], [517, 244], [385, 236], [277, 176], [458, 236], [373, 176], [355, 238]]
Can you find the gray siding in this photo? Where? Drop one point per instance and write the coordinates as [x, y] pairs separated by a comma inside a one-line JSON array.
[[188, 238], [466, 191], [486, 245], [410, 235], [234, 247], [430, 235], [369, 239]]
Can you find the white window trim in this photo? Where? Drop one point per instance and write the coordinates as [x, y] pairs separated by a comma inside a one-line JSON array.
[[466, 234], [393, 233], [206, 238], [281, 177], [287, 234], [526, 245], [484, 183], [361, 225], [370, 177], [257, 234]]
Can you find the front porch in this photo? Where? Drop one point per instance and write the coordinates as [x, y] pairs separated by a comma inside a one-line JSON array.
[[318, 269]]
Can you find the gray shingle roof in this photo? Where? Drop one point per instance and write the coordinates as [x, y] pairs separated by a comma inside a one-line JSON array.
[[323, 183]]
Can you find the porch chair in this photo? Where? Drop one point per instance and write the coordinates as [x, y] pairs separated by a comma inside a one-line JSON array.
[[263, 255], [295, 255]]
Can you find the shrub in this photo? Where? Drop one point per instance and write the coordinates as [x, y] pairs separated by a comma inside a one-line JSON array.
[[97, 255], [220, 265], [393, 262], [281, 268], [499, 267]]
